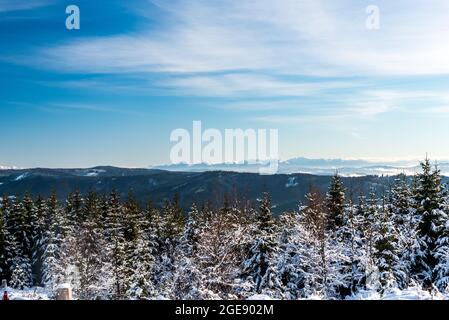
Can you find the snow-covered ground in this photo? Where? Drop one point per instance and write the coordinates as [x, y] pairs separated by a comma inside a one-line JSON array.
[[394, 294], [260, 297], [36, 293]]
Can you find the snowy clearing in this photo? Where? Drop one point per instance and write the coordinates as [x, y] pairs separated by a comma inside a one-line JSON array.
[[291, 182], [21, 177]]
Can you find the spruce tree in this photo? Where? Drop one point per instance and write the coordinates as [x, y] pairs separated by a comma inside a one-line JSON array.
[[4, 246], [260, 266], [151, 231], [350, 240], [369, 214], [441, 255], [386, 248], [403, 211], [19, 228], [335, 202], [172, 226], [223, 244], [151, 226], [327, 257], [53, 269], [7, 242], [28, 209], [131, 226], [38, 231], [74, 209], [430, 199], [115, 237], [293, 266], [142, 261], [139, 251], [187, 277], [90, 260], [173, 221]]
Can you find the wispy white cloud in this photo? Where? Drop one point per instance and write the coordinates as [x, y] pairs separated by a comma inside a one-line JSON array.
[[92, 107], [374, 102], [364, 104], [318, 37], [109, 85], [19, 5], [263, 105], [241, 84], [260, 49], [79, 106], [298, 119], [73, 106]]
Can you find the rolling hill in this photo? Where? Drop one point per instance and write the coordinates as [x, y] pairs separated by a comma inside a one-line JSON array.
[[287, 190]]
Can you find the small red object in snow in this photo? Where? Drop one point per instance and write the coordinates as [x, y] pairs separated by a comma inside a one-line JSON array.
[[5, 296]]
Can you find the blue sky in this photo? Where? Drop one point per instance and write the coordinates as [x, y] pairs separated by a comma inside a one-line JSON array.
[[111, 92]]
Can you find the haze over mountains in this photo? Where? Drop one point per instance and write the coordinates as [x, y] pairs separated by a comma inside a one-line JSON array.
[[345, 167]]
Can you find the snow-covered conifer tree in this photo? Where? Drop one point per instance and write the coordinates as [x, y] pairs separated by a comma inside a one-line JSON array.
[[368, 215], [116, 246], [187, 277], [38, 231], [441, 255], [260, 267], [293, 264], [93, 268], [335, 202], [19, 228], [53, 259], [7, 242], [402, 208], [430, 200], [349, 240], [386, 248], [223, 244]]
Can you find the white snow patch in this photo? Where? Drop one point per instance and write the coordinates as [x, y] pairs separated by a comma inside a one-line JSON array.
[[413, 293], [36, 293], [22, 176], [94, 172], [314, 297], [179, 186], [159, 297], [9, 168], [200, 190], [291, 182], [91, 174], [64, 286], [259, 297]]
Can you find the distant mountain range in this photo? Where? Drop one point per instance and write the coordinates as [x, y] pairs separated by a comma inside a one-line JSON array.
[[348, 168], [287, 190]]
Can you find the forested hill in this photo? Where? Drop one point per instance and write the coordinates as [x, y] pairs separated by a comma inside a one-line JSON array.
[[159, 185]]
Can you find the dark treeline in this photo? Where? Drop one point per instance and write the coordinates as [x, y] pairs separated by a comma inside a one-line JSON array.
[[332, 247]]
